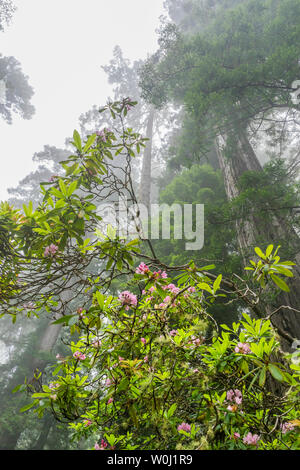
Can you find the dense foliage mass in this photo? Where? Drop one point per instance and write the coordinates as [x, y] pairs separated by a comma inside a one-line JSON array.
[[148, 368], [115, 340]]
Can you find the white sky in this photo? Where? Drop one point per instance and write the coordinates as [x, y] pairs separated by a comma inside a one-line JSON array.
[[61, 45]]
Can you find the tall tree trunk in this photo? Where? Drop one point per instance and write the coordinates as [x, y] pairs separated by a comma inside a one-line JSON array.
[[241, 158], [145, 184], [42, 439], [50, 336], [9, 440]]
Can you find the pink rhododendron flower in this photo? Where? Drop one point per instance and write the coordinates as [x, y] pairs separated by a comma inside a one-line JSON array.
[[197, 341], [235, 395], [54, 385], [127, 298], [173, 288], [53, 178], [79, 355], [184, 427], [192, 289], [173, 332], [102, 446], [285, 427], [143, 340], [97, 344], [251, 439], [110, 400], [29, 306], [235, 436], [146, 359], [88, 422], [230, 395], [232, 408], [142, 269], [50, 250], [101, 134], [242, 348], [160, 274]]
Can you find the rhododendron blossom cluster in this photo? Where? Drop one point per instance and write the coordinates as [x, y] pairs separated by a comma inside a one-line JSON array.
[[50, 250], [251, 439], [79, 355], [127, 298], [235, 395], [184, 427], [286, 427], [102, 446], [142, 269], [242, 348]]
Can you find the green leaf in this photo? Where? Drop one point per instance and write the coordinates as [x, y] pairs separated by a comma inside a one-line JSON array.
[[217, 283], [63, 187], [208, 267], [77, 140], [27, 407], [100, 299], [280, 283], [262, 377], [89, 142], [72, 188], [276, 372], [285, 271], [259, 252], [40, 395], [172, 410], [269, 250], [133, 415], [70, 169], [111, 439], [64, 319]]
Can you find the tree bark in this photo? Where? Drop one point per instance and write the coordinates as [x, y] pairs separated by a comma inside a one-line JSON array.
[[42, 439], [145, 184], [242, 158], [50, 337]]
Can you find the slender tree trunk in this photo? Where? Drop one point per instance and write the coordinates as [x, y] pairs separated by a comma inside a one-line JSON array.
[[46, 345], [145, 184], [49, 336], [241, 158], [42, 439], [9, 438]]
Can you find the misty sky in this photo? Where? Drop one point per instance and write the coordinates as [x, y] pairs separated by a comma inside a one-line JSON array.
[[61, 45]]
